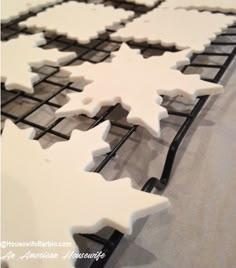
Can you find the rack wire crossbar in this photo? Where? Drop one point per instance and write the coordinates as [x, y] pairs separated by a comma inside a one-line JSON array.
[[104, 46]]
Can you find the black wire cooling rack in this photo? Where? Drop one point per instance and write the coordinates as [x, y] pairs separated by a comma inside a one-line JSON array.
[[96, 51]]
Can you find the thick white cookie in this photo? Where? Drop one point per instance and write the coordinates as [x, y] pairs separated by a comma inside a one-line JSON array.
[[175, 27], [211, 5], [22, 53], [48, 194], [80, 21], [11, 9], [137, 84]]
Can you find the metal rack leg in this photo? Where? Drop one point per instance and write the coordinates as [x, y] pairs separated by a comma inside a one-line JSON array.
[[178, 139]]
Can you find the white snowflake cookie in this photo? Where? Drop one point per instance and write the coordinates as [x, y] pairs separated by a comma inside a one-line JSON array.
[[22, 53], [136, 83], [52, 195]]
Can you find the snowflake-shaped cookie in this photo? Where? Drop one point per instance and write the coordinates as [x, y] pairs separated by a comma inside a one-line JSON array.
[[175, 27], [11, 9], [81, 21], [48, 194], [212, 5], [22, 53], [137, 84]]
